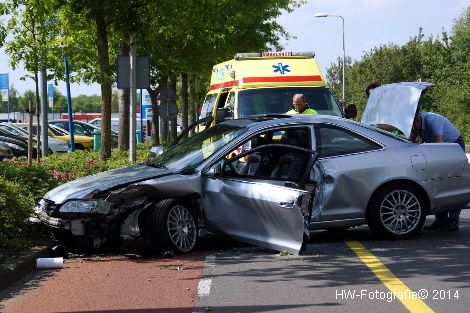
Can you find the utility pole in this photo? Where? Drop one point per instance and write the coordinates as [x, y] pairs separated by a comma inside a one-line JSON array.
[[44, 110], [30, 133], [133, 96]]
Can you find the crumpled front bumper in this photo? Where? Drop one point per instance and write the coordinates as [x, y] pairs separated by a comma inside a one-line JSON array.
[[42, 217]]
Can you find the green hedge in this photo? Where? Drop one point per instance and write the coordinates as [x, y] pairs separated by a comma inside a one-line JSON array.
[[15, 208], [22, 185]]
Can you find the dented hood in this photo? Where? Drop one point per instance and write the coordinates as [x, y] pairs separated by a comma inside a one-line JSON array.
[[87, 186], [395, 105]]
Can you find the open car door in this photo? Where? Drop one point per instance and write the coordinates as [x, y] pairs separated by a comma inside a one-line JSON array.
[[256, 196]]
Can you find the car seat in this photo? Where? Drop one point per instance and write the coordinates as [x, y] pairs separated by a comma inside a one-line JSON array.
[[290, 165], [253, 160]]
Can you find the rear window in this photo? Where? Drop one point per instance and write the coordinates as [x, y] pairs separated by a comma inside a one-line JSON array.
[[263, 101]]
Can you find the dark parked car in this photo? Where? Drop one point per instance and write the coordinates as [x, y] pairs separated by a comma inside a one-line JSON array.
[[17, 147], [5, 151], [17, 144]]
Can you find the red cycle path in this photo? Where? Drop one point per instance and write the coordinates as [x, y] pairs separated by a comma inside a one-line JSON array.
[[112, 284]]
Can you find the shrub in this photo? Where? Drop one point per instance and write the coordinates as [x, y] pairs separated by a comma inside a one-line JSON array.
[[81, 163], [21, 185], [15, 208], [34, 180]]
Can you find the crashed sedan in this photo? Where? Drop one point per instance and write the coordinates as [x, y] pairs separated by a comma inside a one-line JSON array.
[[268, 181]]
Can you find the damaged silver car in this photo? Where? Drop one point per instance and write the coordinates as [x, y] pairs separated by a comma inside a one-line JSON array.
[[269, 181]]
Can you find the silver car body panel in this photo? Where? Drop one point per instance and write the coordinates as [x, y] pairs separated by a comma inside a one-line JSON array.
[[350, 180], [394, 104], [87, 187], [255, 212]]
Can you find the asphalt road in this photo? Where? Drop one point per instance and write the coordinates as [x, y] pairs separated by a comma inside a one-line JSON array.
[[231, 277], [332, 278]]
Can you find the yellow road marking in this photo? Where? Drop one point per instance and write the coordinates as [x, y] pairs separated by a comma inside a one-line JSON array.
[[395, 285]]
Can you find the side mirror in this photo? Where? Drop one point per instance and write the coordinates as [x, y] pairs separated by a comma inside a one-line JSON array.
[[350, 111], [156, 151], [222, 114]]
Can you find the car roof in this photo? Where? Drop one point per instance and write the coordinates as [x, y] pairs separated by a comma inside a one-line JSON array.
[[263, 121]]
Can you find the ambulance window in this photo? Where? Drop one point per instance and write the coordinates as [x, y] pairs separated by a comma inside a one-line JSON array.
[[222, 98], [208, 105], [231, 100]]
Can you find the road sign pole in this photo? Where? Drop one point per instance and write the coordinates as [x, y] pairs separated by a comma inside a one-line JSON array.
[[44, 110], [69, 103], [141, 119], [133, 96]]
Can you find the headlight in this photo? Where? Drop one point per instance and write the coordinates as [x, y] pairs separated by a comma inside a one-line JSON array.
[[89, 206], [41, 206]]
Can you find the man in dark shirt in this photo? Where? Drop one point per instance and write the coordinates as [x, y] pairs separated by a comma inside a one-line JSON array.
[[432, 127]]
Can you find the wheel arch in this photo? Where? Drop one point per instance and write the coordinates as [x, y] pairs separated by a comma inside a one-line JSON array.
[[408, 182], [190, 200]]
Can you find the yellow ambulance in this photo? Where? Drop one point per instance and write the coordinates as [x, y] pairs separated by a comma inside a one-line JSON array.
[[264, 83]]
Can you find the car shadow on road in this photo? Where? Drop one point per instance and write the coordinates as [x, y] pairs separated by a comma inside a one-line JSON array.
[[31, 281]]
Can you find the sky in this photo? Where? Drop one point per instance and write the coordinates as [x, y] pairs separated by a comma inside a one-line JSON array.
[[368, 24]]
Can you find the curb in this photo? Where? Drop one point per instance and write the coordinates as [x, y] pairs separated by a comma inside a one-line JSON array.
[[17, 267]]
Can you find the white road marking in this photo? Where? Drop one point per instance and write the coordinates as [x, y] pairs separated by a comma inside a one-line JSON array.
[[204, 287]]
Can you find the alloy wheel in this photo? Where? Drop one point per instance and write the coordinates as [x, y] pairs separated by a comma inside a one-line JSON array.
[[400, 212], [181, 228]]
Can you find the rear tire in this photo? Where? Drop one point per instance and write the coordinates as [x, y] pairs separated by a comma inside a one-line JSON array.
[[397, 211], [79, 146], [171, 225]]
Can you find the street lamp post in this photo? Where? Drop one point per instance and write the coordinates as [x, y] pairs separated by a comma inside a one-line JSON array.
[[344, 51]]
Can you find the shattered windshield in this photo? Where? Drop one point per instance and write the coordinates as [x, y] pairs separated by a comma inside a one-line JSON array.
[[194, 150]]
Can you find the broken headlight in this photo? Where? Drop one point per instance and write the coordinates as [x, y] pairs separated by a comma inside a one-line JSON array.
[[85, 207]]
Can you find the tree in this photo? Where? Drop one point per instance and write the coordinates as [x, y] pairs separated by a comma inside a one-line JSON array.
[[443, 61], [33, 26]]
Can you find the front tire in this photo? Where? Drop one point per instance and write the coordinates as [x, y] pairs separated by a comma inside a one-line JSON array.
[[171, 225], [397, 211]]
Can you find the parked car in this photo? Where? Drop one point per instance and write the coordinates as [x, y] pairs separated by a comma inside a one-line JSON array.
[[84, 129], [292, 175], [54, 145], [81, 142], [5, 151], [114, 123], [17, 146]]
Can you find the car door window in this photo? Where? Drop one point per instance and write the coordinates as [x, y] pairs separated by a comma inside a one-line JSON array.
[[334, 141], [78, 129], [279, 154]]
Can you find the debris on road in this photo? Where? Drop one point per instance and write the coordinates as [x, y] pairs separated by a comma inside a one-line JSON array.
[[49, 263]]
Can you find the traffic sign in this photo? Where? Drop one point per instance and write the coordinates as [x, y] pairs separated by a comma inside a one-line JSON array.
[[4, 86], [142, 72], [50, 95]]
